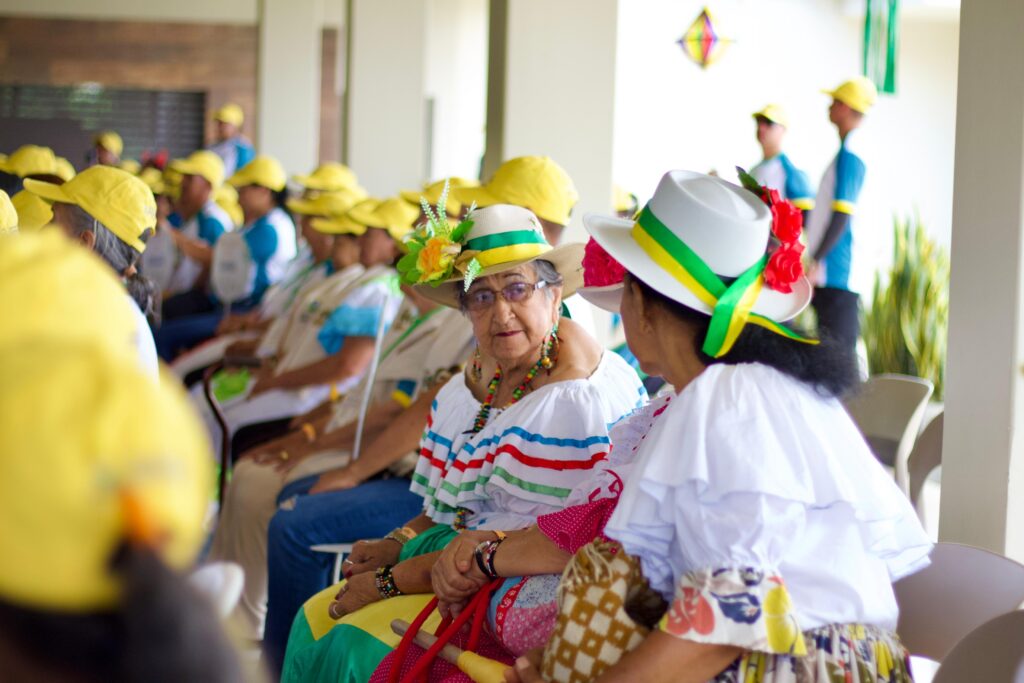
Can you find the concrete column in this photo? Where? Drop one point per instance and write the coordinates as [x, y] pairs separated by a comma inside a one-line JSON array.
[[559, 92], [288, 83], [386, 111], [983, 453]]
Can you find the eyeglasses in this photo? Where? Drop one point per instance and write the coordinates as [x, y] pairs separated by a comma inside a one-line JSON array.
[[514, 293]]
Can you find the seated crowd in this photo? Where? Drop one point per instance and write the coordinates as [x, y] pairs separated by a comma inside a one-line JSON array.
[[418, 378]]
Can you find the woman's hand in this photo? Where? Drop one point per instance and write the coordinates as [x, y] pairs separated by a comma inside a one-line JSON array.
[[358, 592], [265, 381], [367, 556], [526, 668], [337, 480], [455, 576]]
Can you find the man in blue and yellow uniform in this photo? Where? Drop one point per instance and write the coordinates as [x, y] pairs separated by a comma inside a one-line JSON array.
[[830, 228], [776, 170]]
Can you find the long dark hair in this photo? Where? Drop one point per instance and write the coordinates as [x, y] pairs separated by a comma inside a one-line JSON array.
[[161, 632], [827, 366]]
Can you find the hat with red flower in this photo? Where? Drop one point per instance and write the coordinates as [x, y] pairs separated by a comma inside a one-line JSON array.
[[717, 248], [602, 277]]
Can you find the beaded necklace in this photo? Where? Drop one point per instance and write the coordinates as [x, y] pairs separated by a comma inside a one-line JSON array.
[[546, 362]]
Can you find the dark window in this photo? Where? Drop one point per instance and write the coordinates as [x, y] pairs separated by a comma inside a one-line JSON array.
[[67, 118]]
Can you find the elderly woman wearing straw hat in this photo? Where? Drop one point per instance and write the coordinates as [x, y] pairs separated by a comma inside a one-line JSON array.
[[750, 502], [112, 213], [506, 440], [95, 525]]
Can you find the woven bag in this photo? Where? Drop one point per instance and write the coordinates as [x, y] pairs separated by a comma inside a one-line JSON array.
[[605, 609]]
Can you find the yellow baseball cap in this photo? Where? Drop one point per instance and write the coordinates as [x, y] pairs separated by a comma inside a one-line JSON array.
[[623, 199], [64, 170], [432, 193], [773, 113], [344, 224], [172, 183], [858, 93], [8, 215], [110, 141], [115, 198], [30, 160], [204, 164], [154, 179], [227, 199], [395, 215], [95, 453], [534, 183], [51, 287], [131, 165], [324, 204], [330, 177], [264, 171], [230, 113], [33, 212]]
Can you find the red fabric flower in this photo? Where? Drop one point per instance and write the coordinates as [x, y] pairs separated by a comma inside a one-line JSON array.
[[770, 196], [599, 268], [787, 222], [785, 267]]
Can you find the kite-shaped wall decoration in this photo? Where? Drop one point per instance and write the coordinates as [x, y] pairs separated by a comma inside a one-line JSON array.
[[702, 42]]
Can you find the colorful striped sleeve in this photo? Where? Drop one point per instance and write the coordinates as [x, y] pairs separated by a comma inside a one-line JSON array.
[[850, 170]]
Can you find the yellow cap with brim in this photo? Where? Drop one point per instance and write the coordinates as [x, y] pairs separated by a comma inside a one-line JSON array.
[[395, 215], [115, 198], [8, 215], [227, 198], [53, 287], [623, 199], [533, 182], [33, 212], [344, 224], [110, 141], [131, 165], [324, 204], [264, 171], [230, 113], [858, 93], [330, 177], [64, 170], [31, 160], [204, 164], [154, 179], [432, 194], [97, 454], [773, 113]]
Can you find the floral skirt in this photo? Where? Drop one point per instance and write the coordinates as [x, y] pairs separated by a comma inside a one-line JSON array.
[[835, 654]]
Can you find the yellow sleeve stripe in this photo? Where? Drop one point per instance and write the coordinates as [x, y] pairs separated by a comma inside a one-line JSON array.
[[803, 204], [843, 206], [401, 398]]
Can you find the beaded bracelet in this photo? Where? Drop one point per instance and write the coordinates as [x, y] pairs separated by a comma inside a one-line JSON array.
[[385, 581], [401, 535], [484, 556]]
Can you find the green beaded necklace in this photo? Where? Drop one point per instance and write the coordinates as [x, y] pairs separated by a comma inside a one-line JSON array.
[[546, 362]]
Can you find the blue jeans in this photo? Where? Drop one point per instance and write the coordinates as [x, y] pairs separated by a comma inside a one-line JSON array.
[[296, 573], [181, 334]]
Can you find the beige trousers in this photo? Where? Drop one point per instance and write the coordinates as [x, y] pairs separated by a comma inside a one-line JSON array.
[[241, 536]]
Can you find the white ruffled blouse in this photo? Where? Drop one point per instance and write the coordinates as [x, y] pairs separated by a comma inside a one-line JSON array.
[[528, 458], [758, 511]]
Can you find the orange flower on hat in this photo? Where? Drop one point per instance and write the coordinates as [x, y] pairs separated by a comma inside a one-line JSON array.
[[435, 259]]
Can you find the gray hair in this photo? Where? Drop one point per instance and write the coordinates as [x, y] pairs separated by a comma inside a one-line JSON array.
[[120, 255], [543, 269]]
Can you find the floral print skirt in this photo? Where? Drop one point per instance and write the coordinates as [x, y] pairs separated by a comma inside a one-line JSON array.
[[835, 654]]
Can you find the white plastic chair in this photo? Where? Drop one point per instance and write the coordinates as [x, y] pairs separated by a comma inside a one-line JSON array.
[[221, 583], [888, 410], [994, 653], [340, 552], [923, 460], [962, 589]]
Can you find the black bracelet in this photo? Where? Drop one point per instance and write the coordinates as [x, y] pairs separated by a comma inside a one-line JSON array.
[[492, 551], [385, 581], [478, 554]]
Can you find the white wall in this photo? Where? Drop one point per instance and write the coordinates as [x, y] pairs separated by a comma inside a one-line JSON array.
[[456, 79], [671, 114]]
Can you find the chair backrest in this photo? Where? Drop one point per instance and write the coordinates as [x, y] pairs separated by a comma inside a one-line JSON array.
[[926, 456], [221, 583], [888, 410], [962, 588], [994, 653]]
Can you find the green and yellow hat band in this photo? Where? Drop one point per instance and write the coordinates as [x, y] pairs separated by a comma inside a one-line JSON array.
[[731, 305], [505, 247]]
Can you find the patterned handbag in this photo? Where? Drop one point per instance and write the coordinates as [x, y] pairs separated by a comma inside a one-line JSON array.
[[606, 608]]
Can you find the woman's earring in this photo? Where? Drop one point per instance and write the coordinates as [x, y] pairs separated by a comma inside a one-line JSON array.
[[475, 371]]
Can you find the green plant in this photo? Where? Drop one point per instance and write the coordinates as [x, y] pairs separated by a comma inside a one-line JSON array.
[[905, 328]]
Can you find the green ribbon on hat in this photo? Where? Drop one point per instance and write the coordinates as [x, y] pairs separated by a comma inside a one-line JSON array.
[[731, 305]]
